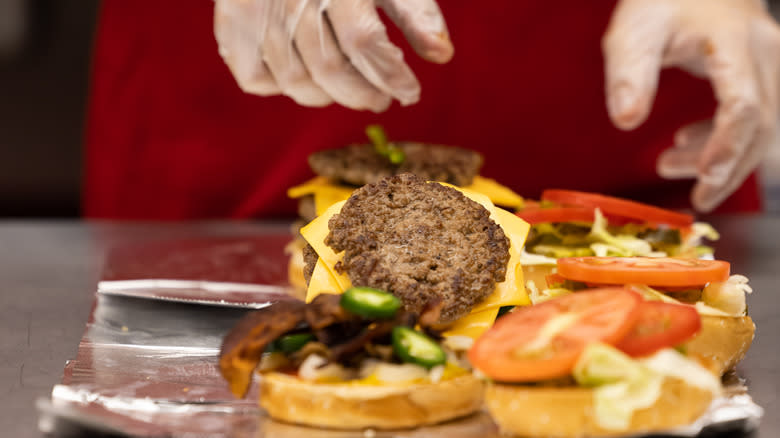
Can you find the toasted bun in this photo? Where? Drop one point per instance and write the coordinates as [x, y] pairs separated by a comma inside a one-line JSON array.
[[722, 341], [568, 411], [345, 406]]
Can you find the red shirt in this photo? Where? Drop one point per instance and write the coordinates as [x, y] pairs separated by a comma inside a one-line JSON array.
[[171, 136]]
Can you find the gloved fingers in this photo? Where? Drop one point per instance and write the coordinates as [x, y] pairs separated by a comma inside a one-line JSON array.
[[240, 41], [330, 68], [363, 38], [682, 160], [737, 118], [633, 50], [423, 25], [695, 134], [283, 59], [706, 196]]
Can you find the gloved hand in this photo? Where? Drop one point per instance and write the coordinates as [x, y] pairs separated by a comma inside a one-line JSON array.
[[323, 51], [734, 43]]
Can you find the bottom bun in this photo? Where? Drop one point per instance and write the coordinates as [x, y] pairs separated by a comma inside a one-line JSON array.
[[348, 406], [722, 341], [568, 411]]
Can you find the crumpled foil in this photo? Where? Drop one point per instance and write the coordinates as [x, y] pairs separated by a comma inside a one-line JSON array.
[[147, 363]]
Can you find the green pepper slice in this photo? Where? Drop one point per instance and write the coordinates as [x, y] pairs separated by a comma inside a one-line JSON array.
[[370, 303], [377, 135], [414, 347], [291, 343]]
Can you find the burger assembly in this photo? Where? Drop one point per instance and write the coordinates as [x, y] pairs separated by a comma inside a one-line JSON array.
[[417, 311]]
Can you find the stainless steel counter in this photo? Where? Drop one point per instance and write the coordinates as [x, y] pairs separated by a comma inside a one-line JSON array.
[[49, 272]]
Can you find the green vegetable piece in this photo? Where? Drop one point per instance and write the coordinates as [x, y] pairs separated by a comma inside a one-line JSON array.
[[291, 343], [370, 303], [383, 147], [396, 155], [414, 347], [377, 136]]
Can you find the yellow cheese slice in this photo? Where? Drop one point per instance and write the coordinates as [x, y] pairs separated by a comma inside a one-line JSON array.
[[326, 193], [510, 292], [499, 194], [322, 282], [314, 233], [474, 324]]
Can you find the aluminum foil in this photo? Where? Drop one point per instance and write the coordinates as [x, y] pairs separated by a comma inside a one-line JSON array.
[[147, 363]]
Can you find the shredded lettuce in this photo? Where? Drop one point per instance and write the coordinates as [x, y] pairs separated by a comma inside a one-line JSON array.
[[718, 299], [623, 385], [622, 245], [670, 362], [728, 296]]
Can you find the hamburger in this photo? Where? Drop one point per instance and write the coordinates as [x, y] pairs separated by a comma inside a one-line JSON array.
[[401, 278], [562, 368]]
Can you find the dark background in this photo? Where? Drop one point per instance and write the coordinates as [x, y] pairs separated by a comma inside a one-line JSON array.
[[44, 71]]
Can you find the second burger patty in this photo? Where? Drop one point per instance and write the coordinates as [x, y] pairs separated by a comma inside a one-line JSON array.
[[360, 164], [420, 241]]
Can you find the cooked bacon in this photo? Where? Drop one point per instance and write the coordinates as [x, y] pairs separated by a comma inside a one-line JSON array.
[[243, 347], [326, 310]]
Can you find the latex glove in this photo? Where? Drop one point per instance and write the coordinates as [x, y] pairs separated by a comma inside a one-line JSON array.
[[734, 43], [323, 51]]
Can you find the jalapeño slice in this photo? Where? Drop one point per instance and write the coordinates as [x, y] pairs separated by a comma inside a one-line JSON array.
[[414, 347], [370, 303]]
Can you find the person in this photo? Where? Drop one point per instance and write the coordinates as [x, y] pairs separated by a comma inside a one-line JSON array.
[[173, 135]]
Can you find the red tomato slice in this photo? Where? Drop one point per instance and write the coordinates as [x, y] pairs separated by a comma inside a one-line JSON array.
[[660, 325], [663, 271], [544, 341], [556, 214], [622, 207], [553, 279]]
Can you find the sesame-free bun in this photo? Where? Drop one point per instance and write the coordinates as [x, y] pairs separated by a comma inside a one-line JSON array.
[[350, 406], [722, 341], [569, 411]]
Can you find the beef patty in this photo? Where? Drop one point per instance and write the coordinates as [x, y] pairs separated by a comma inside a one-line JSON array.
[[420, 241], [360, 164]]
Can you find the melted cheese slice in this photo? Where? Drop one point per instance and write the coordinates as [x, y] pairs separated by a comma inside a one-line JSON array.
[[510, 292], [326, 193]]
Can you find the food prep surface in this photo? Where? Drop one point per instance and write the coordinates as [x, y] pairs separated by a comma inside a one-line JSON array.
[[50, 272]]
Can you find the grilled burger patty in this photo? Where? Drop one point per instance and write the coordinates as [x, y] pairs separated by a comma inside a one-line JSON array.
[[420, 241], [361, 164]]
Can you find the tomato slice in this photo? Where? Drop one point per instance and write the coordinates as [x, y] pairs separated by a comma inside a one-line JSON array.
[[660, 325], [556, 214], [544, 341], [662, 271], [553, 279], [610, 205]]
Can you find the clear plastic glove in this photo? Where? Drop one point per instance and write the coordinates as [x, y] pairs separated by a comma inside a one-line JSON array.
[[734, 43], [323, 51]]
